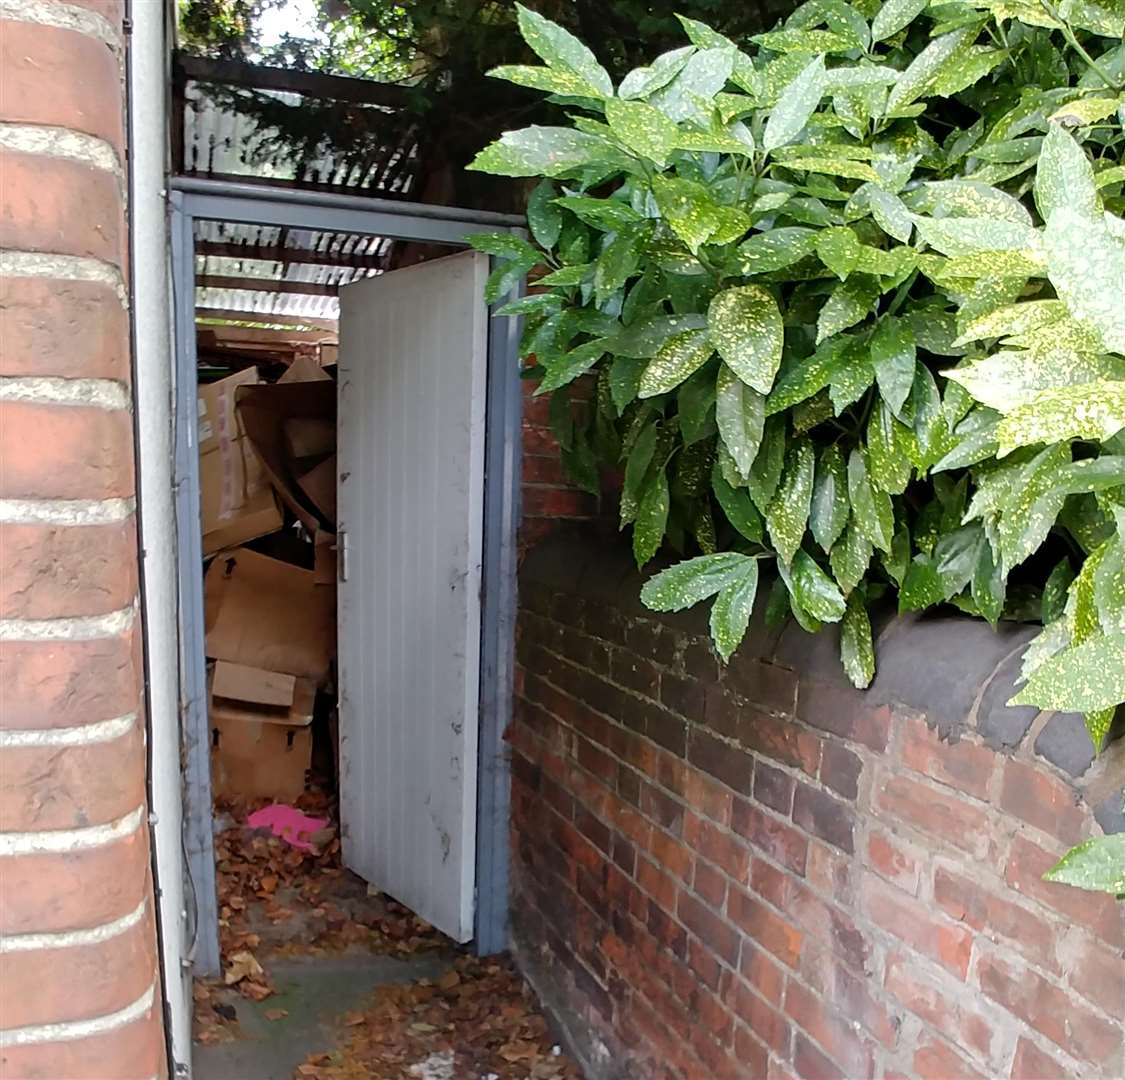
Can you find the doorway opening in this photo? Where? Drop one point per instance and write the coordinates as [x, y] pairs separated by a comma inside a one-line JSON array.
[[347, 453]]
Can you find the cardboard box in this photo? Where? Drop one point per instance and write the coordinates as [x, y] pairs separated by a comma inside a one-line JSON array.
[[240, 682], [325, 565], [304, 369], [264, 411], [309, 437], [258, 750], [218, 417], [264, 613], [319, 484], [236, 501]]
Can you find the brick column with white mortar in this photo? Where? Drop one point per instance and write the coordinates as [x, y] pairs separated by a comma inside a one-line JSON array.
[[79, 981]]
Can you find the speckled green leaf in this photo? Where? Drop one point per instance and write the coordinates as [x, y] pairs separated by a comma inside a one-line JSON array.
[[956, 556], [652, 517], [886, 457], [544, 151], [776, 249], [893, 353], [924, 70], [851, 302], [765, 473], [788, 511], [566, 369], [890, 214], [1064, 178], [851, 380], [829, 509], [1055, 589], [701, 78], [737, 506], [1084, 678], [746, 329], [805, 41], [740, 414], [568, 275], [967, 69], [688, 582], [857, 650], [678, 358], [921, 587], [730, 614], [968, 198], [644, 338], [560, 49], [1094, 410], [1086, 265], [801, 379], [636, 470], [607, 214], [892, 17], [642, 81], [1006, 380], [972, 235], [814, 590], [1023, 318], [838, 249], [850, 558], [694, 216], [643, 129], [625, 380], [1097, 864], [872, 512], [549, 80], [833, 166], [796, 104], [1031, 502], [1109, 581], [989, 585]]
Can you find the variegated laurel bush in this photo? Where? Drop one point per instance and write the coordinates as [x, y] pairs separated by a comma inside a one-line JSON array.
[[855, 301]]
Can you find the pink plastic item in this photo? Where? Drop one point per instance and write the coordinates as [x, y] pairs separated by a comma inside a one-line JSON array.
[[288, 823]]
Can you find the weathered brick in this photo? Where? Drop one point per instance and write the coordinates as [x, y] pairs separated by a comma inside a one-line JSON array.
[[831, 871], [70, 787], [773, 788], [69, 329], [1097, 973], [710, 884], [56, 684], [557, 502], [752, 1055], [724, 762], [830, 924], [833, 1032], [1042, 800], [702, 961], [64, 452], [762, 973], [820, 814], [635, 673], [840, 769], [770, 931], [970, 902], [683, 695], [76, 891], [811, 1063], [84, 77], [765, 1021], [1049, 1010], [709, 798], [60, 206], [125, 1053], [766, 685], [1024, 870], [99, 978], [55, 572], [936, 1060], [667, 812], [844, 712], [770, 883], [912, 922], [948, 818], [852, 996], [962, 765], [775, 838], [674, 856], [936, 997], [718, 935], [1031, 1063], [717, 845], [888, 858]]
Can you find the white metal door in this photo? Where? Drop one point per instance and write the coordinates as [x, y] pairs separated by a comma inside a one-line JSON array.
[[412, 385]]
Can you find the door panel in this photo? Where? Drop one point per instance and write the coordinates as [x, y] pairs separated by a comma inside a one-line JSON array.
[[412, 381]]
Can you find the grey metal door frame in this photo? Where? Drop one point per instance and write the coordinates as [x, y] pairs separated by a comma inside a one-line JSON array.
[[192, 198]]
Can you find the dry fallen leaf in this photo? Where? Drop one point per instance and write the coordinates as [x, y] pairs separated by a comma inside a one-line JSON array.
[[276, 1014], [242, 965]]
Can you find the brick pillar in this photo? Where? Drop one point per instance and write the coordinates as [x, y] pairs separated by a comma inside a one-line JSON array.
[[80, 993]]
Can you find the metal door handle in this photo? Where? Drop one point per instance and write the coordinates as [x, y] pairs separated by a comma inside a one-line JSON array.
[[342, 554]]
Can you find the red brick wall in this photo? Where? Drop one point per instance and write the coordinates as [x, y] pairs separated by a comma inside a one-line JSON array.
[[79, 981], [549, 497], [760, 872]]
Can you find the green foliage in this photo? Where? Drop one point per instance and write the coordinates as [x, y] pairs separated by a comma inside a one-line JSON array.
[[875, 275]]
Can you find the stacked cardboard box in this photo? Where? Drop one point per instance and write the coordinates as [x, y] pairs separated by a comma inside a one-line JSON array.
[[270, 624]]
